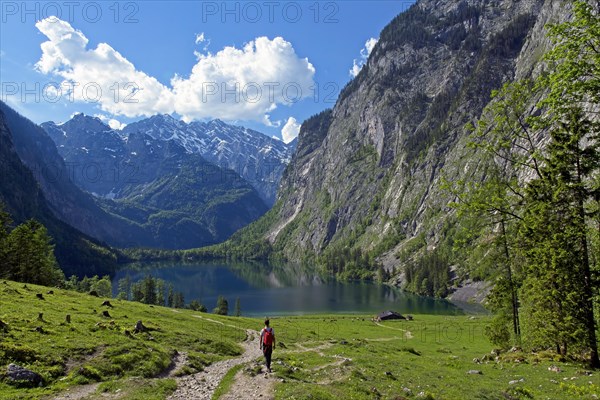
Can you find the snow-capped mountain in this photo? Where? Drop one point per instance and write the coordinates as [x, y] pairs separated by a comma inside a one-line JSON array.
[[173, 193], [102, 159], [257, 158]]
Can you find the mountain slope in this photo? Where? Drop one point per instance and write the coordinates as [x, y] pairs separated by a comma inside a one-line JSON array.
[[19, 191], [368, 174], [177, 198], [78, 209]]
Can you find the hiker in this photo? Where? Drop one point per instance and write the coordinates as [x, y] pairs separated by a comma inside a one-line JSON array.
[[267, 342]]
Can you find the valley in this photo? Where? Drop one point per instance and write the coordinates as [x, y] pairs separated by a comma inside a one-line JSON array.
[[450, 173]]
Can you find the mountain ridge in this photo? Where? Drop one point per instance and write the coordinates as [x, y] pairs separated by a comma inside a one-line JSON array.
[[368, 175], [257, 158]]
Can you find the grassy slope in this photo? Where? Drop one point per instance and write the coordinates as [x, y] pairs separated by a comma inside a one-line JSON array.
[[324, 357], [95, 348]]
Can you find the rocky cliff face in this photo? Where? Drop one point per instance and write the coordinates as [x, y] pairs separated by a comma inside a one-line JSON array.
[[368, 173]]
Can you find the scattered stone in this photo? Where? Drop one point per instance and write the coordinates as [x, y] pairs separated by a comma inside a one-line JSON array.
[[516, 381], [496, 352], [106, 303], [139, 327], [409, 317], [407, 390], [477, 360], [39, 329], [106, 314], [50, 292], [474, 372], [554, 368], [19, 374], [514, 349], [93, 293], [40, 296]]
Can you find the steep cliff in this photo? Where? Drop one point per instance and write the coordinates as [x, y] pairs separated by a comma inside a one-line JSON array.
[[368, 174]]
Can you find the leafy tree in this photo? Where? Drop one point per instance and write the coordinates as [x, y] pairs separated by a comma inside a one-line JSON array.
[[149, 289], [124, 288], [137, 292], [170, 296], [222, 307], [197, 306], [238, 309], [178, 300], [552, 212], [160, 292], [103, 286]]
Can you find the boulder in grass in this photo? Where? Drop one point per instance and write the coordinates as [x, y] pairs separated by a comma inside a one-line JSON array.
[[23, 376], [474, 372]]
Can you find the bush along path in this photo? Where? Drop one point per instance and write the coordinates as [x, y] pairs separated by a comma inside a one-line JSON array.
[[202, 385]]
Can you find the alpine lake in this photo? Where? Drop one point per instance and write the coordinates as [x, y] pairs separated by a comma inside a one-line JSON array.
[[265, 290]]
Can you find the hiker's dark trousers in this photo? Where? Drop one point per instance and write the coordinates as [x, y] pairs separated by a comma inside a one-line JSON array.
[[268, 351]]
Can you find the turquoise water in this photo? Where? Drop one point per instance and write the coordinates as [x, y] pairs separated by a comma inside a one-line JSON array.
[[285, 290]]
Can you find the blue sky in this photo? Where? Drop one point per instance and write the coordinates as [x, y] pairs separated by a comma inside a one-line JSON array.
[[267, 65]]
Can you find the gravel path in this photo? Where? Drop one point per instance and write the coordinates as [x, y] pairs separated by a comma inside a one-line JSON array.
[[202, 385], [247, 387]]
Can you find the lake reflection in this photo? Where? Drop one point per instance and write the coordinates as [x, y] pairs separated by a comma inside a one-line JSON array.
[[282, 290]]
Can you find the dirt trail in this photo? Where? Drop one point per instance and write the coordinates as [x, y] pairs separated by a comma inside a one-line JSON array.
[[407, 333], [202, 385], [77, 392]]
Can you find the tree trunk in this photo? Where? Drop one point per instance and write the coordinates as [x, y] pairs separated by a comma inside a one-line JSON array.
[[513, 291]]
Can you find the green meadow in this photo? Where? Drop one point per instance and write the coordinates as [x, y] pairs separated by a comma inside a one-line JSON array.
[[317, 356]]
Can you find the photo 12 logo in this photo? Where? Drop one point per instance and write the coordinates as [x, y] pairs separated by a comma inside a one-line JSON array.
[[71, 11], [132, 93], [69, 91], [254, 12]]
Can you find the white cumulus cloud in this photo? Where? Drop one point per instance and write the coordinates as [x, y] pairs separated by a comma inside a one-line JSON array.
[[357, 64], [290, 130], [113, 123], [245, 83], [101, 75]]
